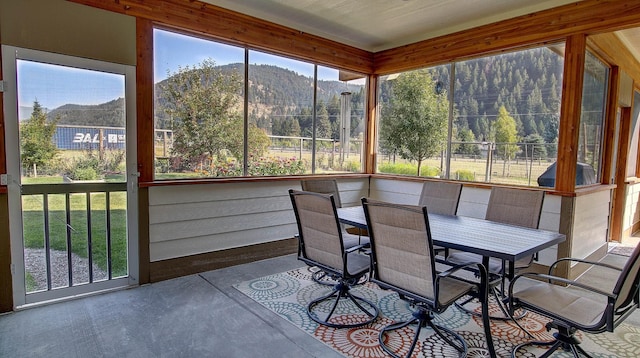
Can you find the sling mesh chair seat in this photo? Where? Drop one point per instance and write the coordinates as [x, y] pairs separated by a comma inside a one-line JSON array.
[[321, 245], [351, 236], [508, 206], [578, 306], [440, 197], [403, 260]]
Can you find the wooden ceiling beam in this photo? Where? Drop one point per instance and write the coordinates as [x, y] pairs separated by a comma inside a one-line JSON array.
[[585, 17], [231, 27]]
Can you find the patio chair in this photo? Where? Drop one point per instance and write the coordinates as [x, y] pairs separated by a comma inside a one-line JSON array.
[[403, 261], [509, 206], [323, 186], [351, 236], [321, 245], [577, 306], [440, 197]]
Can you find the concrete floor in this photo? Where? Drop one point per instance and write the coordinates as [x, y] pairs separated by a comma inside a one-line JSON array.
[[193, 316]]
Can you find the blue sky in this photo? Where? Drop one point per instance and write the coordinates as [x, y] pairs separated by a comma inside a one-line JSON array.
[[54, 86], [173, 50]]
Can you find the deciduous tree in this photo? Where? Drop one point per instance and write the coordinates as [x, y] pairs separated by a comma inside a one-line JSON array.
[[415, 120]]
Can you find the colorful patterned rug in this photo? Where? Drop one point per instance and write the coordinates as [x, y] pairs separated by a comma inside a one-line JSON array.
[[288, 293]]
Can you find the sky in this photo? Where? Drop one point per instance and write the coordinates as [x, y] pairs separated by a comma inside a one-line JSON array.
[[53, 85]]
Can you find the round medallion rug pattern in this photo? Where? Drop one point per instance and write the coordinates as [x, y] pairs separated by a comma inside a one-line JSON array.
[[288, 293]]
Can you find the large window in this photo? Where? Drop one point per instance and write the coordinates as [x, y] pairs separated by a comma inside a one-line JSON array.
[[594, 95], [497, 122], [223, 111]]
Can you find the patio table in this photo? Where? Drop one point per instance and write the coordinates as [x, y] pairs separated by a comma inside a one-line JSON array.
[[478, 236]]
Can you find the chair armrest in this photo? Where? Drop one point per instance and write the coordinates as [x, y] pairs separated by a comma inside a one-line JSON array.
[[354, 248], [551, 267], [551, 278], [471, 266], [459, 267]]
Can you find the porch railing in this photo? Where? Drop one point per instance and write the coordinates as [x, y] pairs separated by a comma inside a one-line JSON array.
[[68, 220]]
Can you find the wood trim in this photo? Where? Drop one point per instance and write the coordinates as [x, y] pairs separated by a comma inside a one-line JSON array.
[[6, 288], [635, 93], [571, 107], [144, 241], [172, 268], [144, 99], [3, 153], [249, 179], [232, 27], [614, 51], [610, 126], [584, 17], [619, 197], [370, 155]]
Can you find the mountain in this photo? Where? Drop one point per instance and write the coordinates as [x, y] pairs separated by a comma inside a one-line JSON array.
[[527, 83], [109, 114]]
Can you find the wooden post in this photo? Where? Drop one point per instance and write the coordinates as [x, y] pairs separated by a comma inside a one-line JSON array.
[[610, 126], [571, 109], [145, 138], [619, 193], [370, 137]]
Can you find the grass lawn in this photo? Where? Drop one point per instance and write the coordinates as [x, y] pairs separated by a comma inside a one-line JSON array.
[[34, 225]]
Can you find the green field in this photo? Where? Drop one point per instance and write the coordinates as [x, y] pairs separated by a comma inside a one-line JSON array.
[[34, 225]]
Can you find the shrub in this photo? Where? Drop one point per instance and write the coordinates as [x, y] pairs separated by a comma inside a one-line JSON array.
[[408, 169], [261, 166], [353, 167], [465, 175], [83, 174]]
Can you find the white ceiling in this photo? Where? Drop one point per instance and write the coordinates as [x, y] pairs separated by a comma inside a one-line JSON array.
[[376, 25]]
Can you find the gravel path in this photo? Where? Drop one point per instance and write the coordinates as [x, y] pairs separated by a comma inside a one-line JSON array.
[[35, 264]]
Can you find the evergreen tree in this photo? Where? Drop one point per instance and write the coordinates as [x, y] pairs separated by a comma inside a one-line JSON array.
[[36, 139]]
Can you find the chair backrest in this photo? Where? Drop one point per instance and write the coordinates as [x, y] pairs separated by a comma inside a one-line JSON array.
[[626, 288], [401, 247], [440, 197], [515, 206], [323, 186], [318, 229]]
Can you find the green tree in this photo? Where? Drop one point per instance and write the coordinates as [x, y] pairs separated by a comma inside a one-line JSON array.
[[415, 122], [467, 146], [535, 146], [506, 137], [36, 139], [203, 103]]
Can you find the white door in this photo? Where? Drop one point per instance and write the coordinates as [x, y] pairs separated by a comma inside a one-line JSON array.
[[71, 174]]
